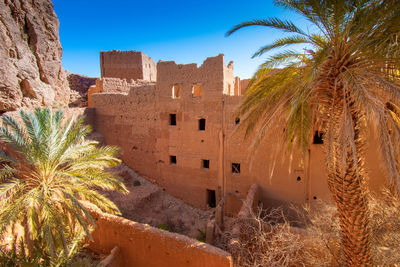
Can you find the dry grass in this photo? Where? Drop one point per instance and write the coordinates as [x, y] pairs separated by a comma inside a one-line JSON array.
[[263, 240], [267, 239]]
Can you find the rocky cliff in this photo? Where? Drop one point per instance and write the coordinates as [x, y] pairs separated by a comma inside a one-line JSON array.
[[79, 86], [30, 56]]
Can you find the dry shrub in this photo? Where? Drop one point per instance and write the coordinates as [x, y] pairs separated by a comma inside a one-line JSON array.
[[385, 229], [264, 239], [267, 239]]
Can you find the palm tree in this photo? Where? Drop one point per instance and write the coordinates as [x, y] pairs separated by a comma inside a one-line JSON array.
[[49, 170], [340, 83]]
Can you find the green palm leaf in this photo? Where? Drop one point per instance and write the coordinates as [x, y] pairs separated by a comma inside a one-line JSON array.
[[53, 169]]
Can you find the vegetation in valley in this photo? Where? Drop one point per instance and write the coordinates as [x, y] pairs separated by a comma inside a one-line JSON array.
[[268, 237]]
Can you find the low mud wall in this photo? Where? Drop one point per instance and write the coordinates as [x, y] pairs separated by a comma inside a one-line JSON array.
[[251, 201], [232, 206], [142, 245]]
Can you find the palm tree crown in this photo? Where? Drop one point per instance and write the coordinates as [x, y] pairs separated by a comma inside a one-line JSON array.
[[49, 170], [340, 83]]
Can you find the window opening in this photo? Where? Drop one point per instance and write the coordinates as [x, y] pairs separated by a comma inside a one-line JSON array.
[[197, 89], [237, 121], [235, 167], [172, 119], [172, 160], [318, 138], [206, 163], [202, 124], [176, 91]]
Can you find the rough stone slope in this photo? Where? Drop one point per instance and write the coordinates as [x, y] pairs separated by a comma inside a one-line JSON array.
[[150, 204], [31, 73], [79, 85]]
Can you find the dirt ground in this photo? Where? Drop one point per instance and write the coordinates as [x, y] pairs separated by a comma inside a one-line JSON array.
[[150, 204]]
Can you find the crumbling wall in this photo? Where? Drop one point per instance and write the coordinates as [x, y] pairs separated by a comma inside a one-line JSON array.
[[129, 65], [188, 179], [143, 129], [114, 85], [149, 68], [229, 80], [143, 245], [158, 127]]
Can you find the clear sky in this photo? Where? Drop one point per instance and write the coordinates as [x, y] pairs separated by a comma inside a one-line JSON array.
[[184, 31]]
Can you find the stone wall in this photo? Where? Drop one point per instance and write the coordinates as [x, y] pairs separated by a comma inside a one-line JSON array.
[[142, 245], [129, 65]]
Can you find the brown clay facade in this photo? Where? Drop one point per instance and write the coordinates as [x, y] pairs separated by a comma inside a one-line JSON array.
[[180, 132], [129, 65]]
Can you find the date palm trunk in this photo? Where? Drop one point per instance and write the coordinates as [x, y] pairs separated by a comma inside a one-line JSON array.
[[347, 182]]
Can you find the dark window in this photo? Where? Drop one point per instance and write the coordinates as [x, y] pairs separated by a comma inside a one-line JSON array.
[[318, 138], [235, 167], [206, 164], [172, 159], [172, 119], [202, 124], [237, 121], [211, 200], [298, 178]]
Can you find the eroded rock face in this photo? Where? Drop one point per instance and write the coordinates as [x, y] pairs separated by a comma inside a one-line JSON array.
[[79, 86], [31, 73]]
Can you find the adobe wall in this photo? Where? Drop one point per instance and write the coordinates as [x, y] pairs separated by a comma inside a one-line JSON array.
[[187, 179], [149, 68], [129, 65], [257, 168], [114, 85], [139, 122], [142, 245], [229, 80], [129, 121], [243, 86]]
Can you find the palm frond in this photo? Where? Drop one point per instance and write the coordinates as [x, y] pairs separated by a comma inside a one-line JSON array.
[[276, 23], [55, 168], [282, 42]]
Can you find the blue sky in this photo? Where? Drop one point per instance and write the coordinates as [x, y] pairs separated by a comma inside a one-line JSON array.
[[182, 31]]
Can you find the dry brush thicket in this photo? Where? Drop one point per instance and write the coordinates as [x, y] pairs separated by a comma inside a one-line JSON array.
[[268, 238]]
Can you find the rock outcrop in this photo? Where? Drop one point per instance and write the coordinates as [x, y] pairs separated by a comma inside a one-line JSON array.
[[79, 86], [31, 73]]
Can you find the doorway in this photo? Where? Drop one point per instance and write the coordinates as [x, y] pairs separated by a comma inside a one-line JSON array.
[[211, 200]]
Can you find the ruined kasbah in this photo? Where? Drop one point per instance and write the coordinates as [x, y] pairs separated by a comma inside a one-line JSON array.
[[177, 125]]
